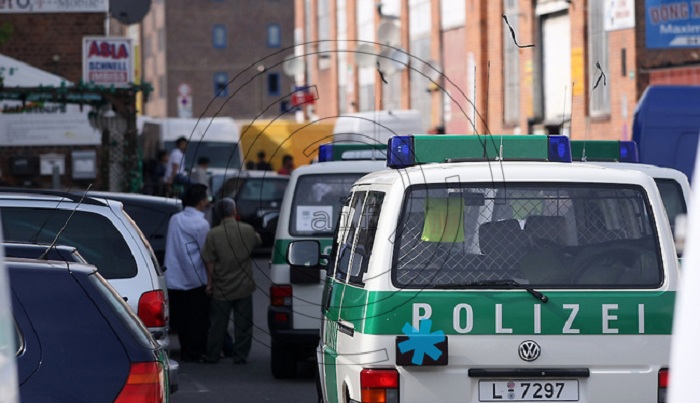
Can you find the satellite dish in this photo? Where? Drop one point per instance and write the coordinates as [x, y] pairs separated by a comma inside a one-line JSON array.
[[432, 69], [389, 33], [293, 65], [365, 55], [129, 11], [400, 59], [386, 64]]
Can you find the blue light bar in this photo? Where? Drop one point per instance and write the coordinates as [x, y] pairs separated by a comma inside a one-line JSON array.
[[401, 153], [628, 151], [559, 148], [325, 152]]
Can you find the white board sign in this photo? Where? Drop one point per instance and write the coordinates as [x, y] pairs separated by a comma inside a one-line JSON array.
[[314, 218]]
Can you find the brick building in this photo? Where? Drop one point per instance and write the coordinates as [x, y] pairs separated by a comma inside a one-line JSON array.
[[191, 51], [51, 42], [540, 78]]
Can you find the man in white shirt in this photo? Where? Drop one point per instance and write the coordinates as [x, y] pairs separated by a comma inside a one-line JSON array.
[[175, 173], [186, 274]]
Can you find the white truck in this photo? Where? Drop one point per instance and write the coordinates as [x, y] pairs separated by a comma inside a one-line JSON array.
[[217, 138]]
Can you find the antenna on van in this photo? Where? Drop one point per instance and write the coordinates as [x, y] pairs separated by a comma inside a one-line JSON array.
[[58, 234], [590, 103]]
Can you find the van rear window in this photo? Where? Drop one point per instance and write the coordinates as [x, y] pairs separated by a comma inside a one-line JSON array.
[[317, 202], [553, 235], [221, 154], [94, 236]]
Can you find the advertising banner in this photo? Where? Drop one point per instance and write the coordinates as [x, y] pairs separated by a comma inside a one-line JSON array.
[[672, 24], [53, 6], [108, 61]]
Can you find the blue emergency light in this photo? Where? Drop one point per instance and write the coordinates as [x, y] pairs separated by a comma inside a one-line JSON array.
[[405, 151]]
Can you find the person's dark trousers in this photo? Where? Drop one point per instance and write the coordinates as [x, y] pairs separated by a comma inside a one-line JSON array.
[[242, 324], [189, 318]]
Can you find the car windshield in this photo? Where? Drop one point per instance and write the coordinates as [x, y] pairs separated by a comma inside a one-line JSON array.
[[317, 202], [553, 235], [221, 155]]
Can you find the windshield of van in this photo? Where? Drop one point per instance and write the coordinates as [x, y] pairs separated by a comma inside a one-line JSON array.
[[672, 196], [221, 154], [317, 202], [262, 189], [553, 235]]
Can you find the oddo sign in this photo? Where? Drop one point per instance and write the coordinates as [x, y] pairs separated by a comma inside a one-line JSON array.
[[108, 61]]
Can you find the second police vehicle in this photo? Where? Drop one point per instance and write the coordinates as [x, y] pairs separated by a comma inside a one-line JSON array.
[[488, 269]]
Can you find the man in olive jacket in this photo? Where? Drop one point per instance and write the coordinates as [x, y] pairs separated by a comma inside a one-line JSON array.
[[227, 255]]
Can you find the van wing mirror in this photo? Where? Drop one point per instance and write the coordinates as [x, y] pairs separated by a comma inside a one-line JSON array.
[[304, 253]]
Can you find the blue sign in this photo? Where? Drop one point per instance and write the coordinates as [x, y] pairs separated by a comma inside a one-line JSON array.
[[672, 24]]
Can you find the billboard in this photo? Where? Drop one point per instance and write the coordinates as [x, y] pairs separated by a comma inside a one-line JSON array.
[[672, 24], [108, 61], [53, 6]]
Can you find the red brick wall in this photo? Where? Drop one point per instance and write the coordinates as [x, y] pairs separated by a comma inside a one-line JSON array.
[[36, 38]]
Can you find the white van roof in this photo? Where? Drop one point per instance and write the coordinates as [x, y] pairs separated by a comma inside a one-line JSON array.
[[222, 129], [376, 126]]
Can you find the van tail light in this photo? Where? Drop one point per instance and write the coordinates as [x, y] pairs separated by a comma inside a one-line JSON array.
[[145, 384], [281, 295], [663, 384], [151, 309], [379, 385]]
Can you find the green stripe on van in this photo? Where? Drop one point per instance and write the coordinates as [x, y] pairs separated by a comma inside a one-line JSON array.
[[507, 312], [279, 252]]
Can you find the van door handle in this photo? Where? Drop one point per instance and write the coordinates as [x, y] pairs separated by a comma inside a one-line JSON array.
[[346, 327]]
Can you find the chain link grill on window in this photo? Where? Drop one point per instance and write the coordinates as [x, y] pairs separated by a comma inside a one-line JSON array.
[[561, 236]]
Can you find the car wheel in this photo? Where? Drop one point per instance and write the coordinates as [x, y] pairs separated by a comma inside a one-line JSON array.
[[282, 361]]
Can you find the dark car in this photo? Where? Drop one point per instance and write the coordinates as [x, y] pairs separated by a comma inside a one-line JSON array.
[[78, 340], [151, 214], [258, 196]]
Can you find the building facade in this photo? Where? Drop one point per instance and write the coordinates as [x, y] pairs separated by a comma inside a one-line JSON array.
[[217, 58], [507, 66]]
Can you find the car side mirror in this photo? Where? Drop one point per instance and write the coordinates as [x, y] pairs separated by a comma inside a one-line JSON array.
[[269, 220]]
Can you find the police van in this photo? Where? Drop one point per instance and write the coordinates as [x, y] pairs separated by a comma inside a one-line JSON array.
[[310, 210], [672, 183], [490, 269]]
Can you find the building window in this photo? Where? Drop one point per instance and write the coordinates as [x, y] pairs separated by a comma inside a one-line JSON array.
[[273, 36], [161, 39], [420, 47], [220, 84], [511, 66], [273, 84], [323, 18], [341, 26], [218, 36], [366, 76], [598, 50], [161, 85]]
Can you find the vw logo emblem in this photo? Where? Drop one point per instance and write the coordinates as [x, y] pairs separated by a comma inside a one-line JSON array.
[[529, 350]]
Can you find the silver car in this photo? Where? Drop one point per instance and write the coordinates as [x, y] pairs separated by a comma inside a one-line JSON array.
[[104, 235]]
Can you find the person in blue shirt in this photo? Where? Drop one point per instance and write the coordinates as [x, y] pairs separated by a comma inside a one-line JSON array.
[[186, 274]]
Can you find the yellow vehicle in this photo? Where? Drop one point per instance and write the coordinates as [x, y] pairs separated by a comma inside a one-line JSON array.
[[278, 138]]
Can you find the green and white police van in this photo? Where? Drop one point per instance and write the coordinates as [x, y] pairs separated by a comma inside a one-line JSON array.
[[479, 269], [672, 183], [310, 210]]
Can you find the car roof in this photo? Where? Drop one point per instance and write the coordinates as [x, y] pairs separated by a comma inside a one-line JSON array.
[[339, 167], [27, 245], [48, 195], [136, 198], [512, 171]]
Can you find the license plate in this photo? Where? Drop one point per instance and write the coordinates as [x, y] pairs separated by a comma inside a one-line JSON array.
[[519, 390]]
